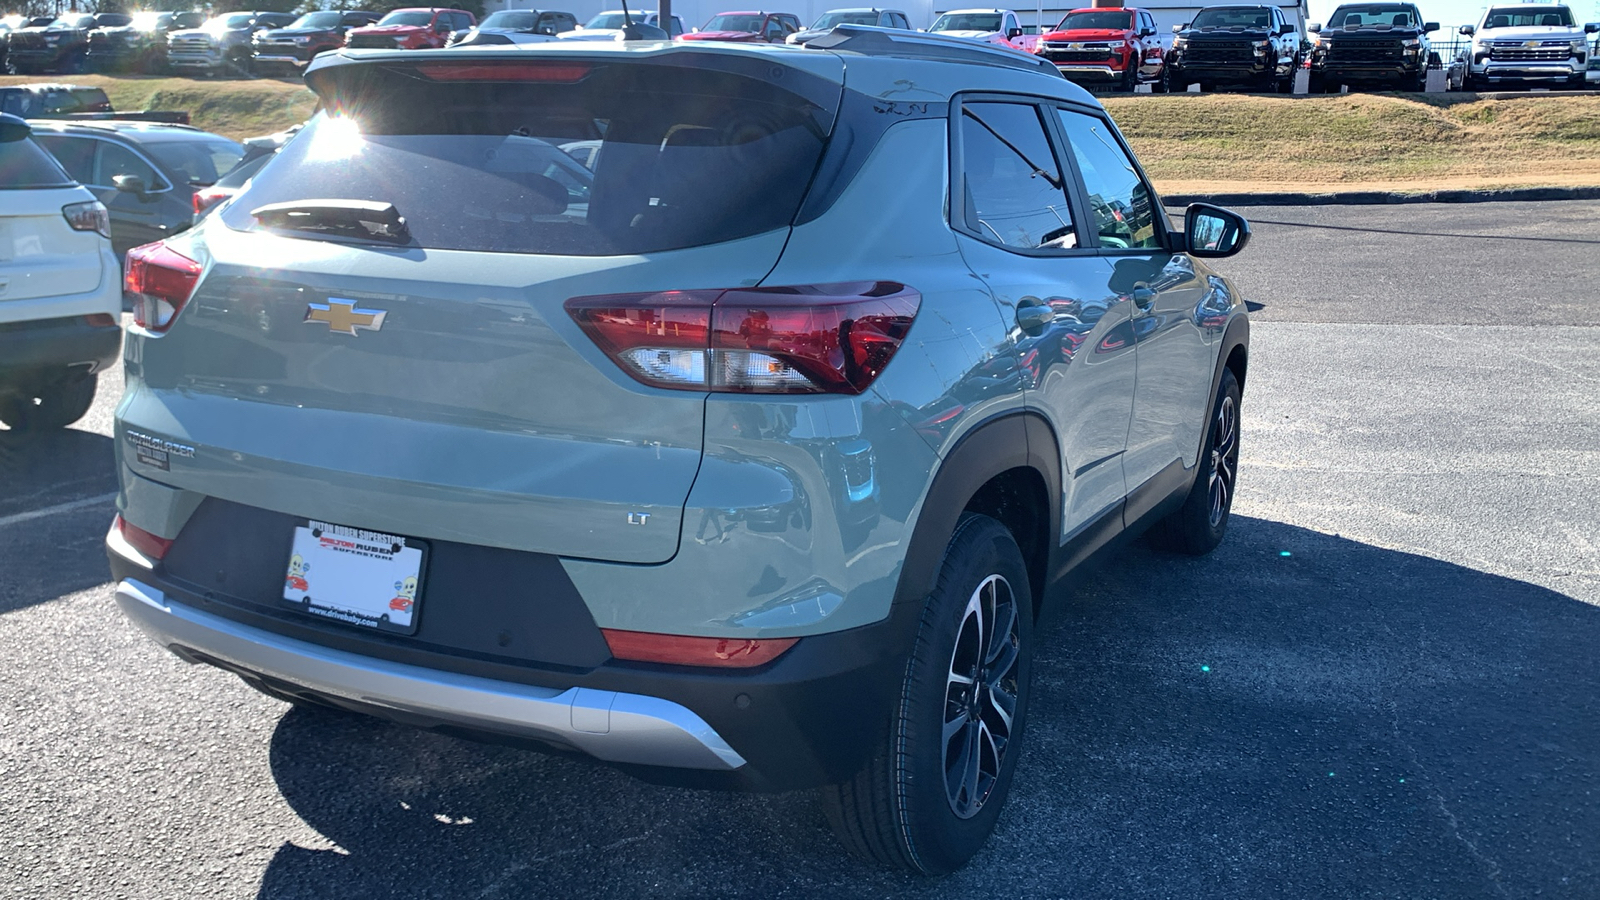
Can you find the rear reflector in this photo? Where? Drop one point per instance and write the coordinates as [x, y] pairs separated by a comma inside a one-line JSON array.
[[825, 338], [158, 281], [678, 650], [143, 541]]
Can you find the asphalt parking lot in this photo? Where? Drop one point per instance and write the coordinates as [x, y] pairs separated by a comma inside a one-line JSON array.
[[1383, 684]]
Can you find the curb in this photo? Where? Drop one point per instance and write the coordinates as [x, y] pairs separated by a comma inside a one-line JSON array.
[[1380, 198]]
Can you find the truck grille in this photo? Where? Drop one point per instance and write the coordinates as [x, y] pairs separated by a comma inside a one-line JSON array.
[[374, 41], [1348, 51], [1101, 54], [1220, 52], [199, 44], [1518, 53]]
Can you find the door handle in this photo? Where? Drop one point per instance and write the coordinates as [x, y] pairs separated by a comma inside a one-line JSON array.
[[1033, 316]]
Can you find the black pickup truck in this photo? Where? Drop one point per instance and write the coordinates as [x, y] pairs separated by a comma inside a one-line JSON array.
[[1252, 47], [139, 46], [74, 101], [61, 46], [1372, 45]]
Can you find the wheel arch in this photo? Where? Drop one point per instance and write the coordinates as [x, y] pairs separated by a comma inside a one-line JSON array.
[[1008, 468]]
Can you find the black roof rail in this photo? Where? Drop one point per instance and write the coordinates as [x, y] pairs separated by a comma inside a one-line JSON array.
[[870, 40]]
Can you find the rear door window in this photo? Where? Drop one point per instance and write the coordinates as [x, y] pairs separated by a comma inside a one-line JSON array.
[[75, 154], [1013, 193], [688, 155], [24, 164], [112, 160]]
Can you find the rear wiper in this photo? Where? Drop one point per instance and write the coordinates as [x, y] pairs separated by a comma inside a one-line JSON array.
[[345, 218]]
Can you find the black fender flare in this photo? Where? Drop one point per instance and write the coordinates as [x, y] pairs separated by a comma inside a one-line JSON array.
[[1020, 439]]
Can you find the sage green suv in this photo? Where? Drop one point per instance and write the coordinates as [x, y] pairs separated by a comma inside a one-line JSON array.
[[746, 457]]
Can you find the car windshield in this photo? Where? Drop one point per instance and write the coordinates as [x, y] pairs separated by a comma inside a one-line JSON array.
[[317, 20], [967, 22], [734, 23], [1232, 19], [24, 164], [199, 161], [478, 165], [73, 22], [1098, 21], [1528, 17], [510, 18], [1352, 17], [150, 21], [612, 20], [228, 23], [828, 20], [414, 17]]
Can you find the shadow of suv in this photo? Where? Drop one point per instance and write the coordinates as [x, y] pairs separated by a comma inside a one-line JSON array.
[[757, 495]]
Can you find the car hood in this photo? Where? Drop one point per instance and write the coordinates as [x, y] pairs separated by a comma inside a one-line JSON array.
[[389, 29], [722, 36], [1087, 34], [498, 29], [295, 32], [1532, 33], [967, 34], [592, 34]]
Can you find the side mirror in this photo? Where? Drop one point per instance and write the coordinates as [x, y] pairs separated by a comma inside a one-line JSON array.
[[13, 129], [1286, 29], [1591, 28], [1429, 26], [1314, 28], [441, 28], [1211, 232], [1013, 33], [1468, 30], [1148, 32], [1178, 29], [130, 184]]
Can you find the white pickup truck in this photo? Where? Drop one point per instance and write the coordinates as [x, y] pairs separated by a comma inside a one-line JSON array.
[[1525, 45], [1000, 27]]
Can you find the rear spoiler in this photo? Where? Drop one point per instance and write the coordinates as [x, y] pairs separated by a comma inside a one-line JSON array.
[[168, 117]]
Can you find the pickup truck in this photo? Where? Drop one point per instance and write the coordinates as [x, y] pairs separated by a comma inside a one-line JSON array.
[[293, 48], [139, 46], [1253, 47], [223, 43], [1533, 45], [61, 46], [74, 101], [1372, 45], [1000, 27], [1109, 47]]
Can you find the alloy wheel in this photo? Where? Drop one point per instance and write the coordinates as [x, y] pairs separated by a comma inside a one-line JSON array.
[[1224, 458], [981, 695]]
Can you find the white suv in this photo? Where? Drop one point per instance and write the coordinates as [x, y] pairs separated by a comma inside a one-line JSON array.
[[60, 287], [1532, 44]]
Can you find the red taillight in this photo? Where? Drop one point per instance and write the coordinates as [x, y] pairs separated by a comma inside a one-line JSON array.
[[514, 71], [678, 650], [827, 338], [205, 198], [143, 541], [159, 281]]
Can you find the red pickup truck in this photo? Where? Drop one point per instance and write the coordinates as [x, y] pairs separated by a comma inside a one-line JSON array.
[[1108, 47], [411, 29]]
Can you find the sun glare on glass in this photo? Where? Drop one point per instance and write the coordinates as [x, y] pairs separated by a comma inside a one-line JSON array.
[[336, 138]]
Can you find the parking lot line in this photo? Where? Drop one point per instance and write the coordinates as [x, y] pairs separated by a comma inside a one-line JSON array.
[[19, 518]]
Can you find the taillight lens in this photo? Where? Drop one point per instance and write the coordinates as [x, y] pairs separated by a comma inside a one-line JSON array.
[[678, 650], [158, 280], [826, 338], [91, 216], [143, 541], [205, 198]]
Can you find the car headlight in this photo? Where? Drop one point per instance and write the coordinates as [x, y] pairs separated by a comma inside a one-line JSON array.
[[1179, 43], [1261, 47], [1579, 45], [302, 41]]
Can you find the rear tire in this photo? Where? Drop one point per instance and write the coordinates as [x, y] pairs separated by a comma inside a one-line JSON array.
[[934, 788], [51, 407], [1198, 526]]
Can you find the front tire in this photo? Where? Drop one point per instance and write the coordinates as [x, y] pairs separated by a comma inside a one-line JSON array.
[[934, 788], [50, 407], [1198, 526]]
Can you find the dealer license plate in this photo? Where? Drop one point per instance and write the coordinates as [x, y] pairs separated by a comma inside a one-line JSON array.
[[361, 577]]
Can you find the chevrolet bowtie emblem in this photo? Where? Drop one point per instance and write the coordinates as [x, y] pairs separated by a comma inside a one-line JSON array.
[[343, 317]]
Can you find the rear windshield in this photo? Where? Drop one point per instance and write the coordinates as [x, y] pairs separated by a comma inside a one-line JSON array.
[[688, 155], [24, 164]]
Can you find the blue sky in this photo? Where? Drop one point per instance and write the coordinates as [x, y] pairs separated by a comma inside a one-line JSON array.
[[1451, 13]]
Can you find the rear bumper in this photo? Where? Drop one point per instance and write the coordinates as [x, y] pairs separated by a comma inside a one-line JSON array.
[[608, 725], [47, 348]]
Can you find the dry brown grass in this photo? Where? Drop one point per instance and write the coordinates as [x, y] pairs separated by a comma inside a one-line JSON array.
[[1362, 141], [238, 108]]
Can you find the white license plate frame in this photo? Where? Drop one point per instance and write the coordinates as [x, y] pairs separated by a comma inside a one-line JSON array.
[[365, 579]]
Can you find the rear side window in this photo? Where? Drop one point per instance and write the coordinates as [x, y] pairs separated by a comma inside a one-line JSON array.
[[24, 164], [688, 155], [75, 154]]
